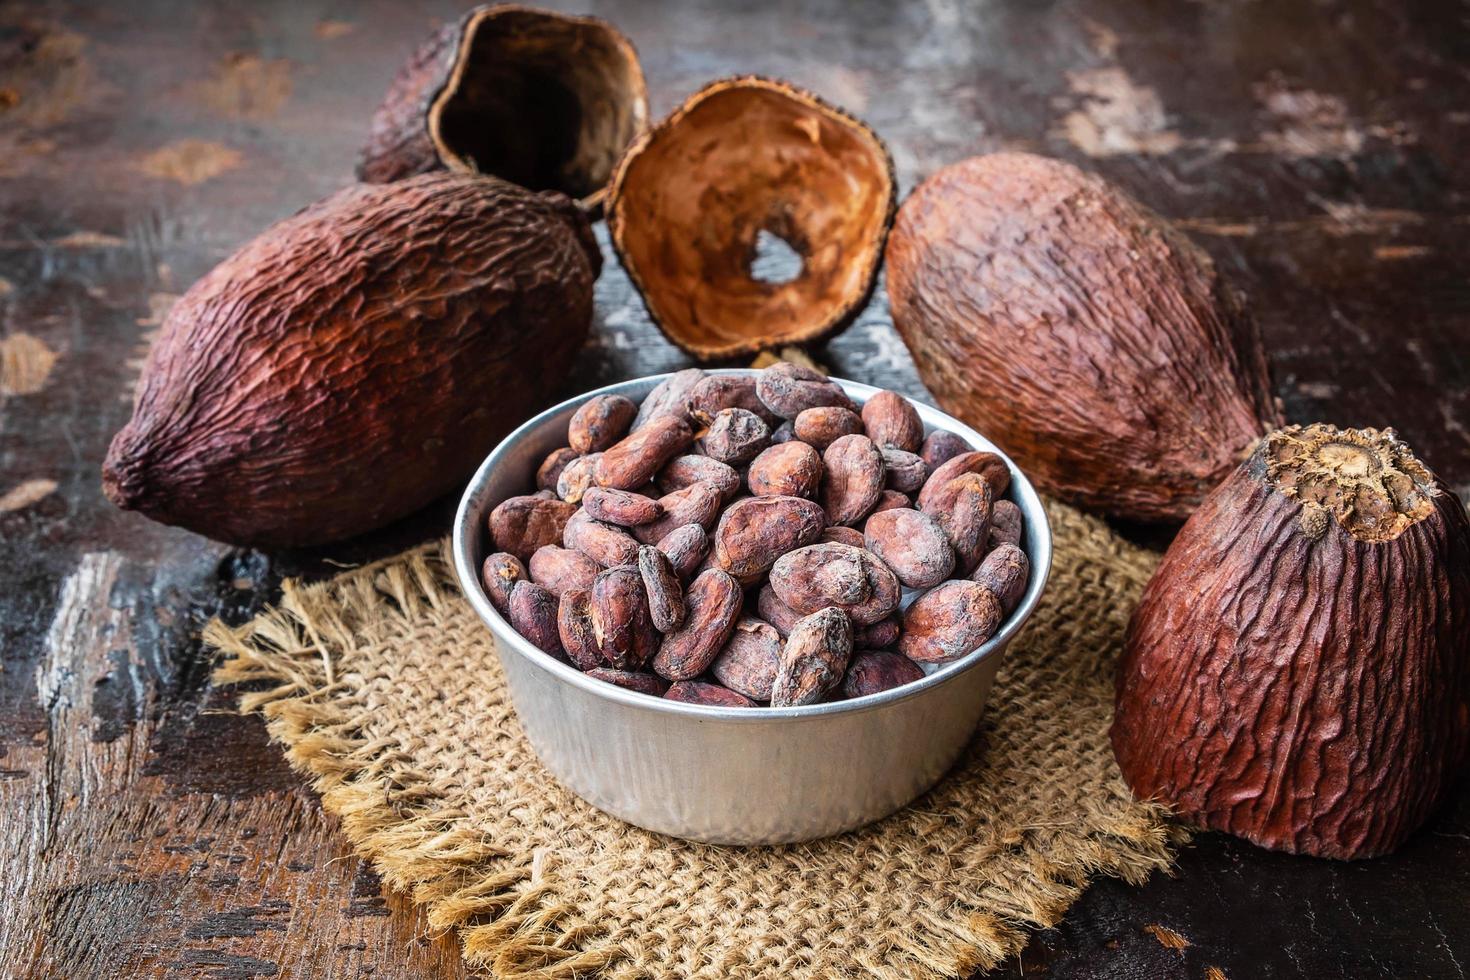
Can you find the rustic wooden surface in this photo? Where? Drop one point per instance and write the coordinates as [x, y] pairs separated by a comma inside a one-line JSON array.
[[1317, 149]]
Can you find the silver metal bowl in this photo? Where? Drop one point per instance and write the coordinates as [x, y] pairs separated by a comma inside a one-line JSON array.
[[732, 775]]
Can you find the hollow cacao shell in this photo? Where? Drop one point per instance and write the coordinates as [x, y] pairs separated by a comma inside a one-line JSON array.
[[289, 387], [1080, 331]]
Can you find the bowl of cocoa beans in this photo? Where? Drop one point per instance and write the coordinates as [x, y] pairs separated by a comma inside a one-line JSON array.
[[749, 606]]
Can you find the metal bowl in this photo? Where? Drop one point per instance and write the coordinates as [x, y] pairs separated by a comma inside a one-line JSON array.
[[732, 775]]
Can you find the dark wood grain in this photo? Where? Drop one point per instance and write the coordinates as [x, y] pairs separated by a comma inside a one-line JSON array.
[[1316, 149]]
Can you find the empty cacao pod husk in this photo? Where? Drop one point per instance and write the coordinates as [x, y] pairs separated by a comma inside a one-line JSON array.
[[356, 360], [1298, 670], [742, 162], [1076, 328], [541, 99]]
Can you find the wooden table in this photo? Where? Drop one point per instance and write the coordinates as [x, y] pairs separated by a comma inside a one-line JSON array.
[[1316, 149]]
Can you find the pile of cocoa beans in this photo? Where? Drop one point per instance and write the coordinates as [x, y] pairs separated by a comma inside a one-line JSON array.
[[705, 546]]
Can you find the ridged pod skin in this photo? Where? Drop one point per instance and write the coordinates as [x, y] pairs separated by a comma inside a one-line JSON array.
[[356, 360], [1298, 670], [1076, 328], [493, 93], [691, 196]]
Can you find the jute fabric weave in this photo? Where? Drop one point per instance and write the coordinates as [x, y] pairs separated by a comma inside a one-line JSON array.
[[384, 688]]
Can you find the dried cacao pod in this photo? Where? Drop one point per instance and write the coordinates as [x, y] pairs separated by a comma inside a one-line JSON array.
[[1100, 346], [288, 387], [771, 160], [538, 98], [1297, 672]]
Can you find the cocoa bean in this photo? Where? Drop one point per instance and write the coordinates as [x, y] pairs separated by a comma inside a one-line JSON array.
[[789, 389], [669, 397], [735, 436], [820, 427], [550, 469], [949, 621], [712, 607], [520, 525], [684, 471], [849, 536], [781, 616], [633, 680], [754, 532], [851, 579], [891, 500], [716, 392], [698, 692], [813, 659], [912, 544], [620, 618], [903, 471], [533, 615], [661, 584], [853, 479], [607, 545], [600, 422], [633, 461], [963, 509], [785, 432], [873, 671], [698, 503], [1004, 572], [558, 569], [892, 422], [499, 574], [620, 507], [941, 446], [1006, 524], [685, 547], [749, 662], [879, 636], [574, 627], [576, 477], [791, 469], [988, 466]]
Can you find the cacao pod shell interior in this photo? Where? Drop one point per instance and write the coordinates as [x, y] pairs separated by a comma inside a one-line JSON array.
[[1080, 331], [541, 99], [1298, 670], [356, 360], [744, 161]]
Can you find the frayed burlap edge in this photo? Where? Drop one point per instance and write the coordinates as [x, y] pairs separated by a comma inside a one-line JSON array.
[[512, 907]]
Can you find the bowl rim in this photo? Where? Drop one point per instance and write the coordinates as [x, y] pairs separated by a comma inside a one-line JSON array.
[[467, 527]]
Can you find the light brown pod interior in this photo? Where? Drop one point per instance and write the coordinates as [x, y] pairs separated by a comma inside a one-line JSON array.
[[744, 156], [540, 99]]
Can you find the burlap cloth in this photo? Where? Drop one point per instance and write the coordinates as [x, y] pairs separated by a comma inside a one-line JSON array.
[[383, 686]]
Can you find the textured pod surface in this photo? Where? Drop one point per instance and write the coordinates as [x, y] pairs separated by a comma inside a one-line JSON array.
[[1298, 669], [383, 324], [1077, 329], [538, 98], [740, 158]]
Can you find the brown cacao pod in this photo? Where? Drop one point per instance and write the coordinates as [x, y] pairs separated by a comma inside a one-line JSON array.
[[1298, 670], [1072, 325], [356, 360], [744, 158], [541, 99]]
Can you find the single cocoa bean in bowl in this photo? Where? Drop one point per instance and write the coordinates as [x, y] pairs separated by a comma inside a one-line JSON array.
[[820, 427], [558, 569], [791, 469], [735, 436], [852, 479], [620, 618], [600, 423], [712, 606], [813, 659], [620, 507], [892, 422], [632, 462], [948, 622], [754, 532], [851, 579], [750, 661], [912, 544], [682, 471], [520, 525]]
